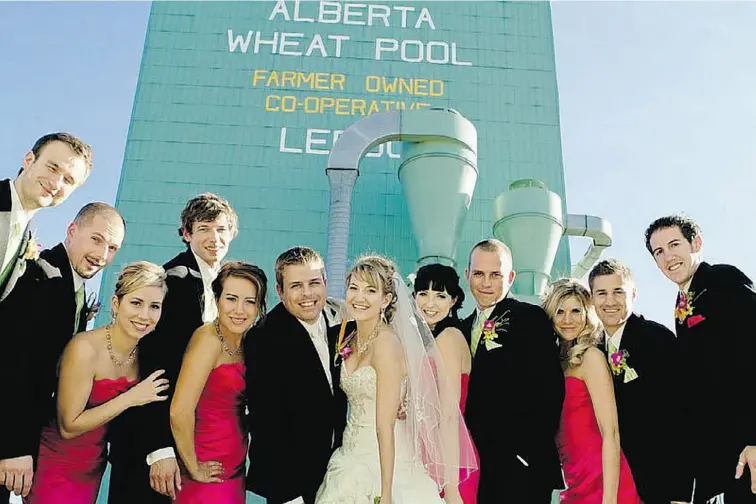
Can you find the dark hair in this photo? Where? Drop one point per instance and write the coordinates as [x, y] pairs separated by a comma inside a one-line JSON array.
[[610, 266], [686, 225], [296, 256], [90, 210], [76, 145], [439, 277], [250, 272], [207, 207]]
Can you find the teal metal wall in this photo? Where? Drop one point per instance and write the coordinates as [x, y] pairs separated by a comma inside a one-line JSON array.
[[256, 126]]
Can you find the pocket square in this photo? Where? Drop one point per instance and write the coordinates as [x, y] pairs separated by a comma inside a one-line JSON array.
[[491, 344], [695, 319], [630, 375]]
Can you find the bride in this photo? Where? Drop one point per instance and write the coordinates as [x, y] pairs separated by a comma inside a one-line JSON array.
[[390, 363]]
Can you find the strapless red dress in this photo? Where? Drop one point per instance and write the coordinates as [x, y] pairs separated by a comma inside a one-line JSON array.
[[579, 441], [69, 470], [220, 434]]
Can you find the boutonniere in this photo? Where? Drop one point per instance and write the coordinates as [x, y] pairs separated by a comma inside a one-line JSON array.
[[619, 365], [91, 306], [492, 328], [684, 308], [343, 345], [33, 248]]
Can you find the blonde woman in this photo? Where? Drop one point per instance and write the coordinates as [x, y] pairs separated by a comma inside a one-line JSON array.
[[99, 381], [387, 360], [595, 469]]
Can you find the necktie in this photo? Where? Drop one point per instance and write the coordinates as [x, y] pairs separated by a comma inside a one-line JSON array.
[[476, 332], [79, 306], [611, 349]]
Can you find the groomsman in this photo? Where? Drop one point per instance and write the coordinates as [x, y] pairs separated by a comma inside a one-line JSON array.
[[297, 411], [43, 312], [516, 387], [57, 165], [718, 359], [142, 453], [646, 408]]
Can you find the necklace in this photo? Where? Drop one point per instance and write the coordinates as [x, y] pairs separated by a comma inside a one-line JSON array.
[[119, 362], [226, 348], [362, 347]]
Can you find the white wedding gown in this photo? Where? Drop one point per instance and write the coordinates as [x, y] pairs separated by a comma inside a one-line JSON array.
[[354, 473]]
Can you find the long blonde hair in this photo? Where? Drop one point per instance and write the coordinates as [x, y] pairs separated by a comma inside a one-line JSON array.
[[558, 293]]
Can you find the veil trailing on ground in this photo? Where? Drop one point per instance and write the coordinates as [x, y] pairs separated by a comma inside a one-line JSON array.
[[436, 427]]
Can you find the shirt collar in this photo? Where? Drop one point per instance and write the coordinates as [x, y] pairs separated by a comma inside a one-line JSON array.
[[208, 273], [616, 338], [484, 313], [313, 329]]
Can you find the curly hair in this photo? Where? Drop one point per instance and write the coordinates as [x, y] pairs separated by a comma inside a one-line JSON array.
[[378, 272], [557, 293]]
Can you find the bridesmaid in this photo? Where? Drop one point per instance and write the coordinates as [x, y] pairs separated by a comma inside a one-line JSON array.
[[594, 467], [439, 296], [97, 382], [207, 411]]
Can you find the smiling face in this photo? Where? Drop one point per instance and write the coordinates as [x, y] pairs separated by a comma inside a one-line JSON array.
[[570, 318], [675, 256], [613, 298], [364, 299], [490, 276], [93, 242], [50, 177], [303, 290], [238, 307], [138, 312], [434, 305], [210, 239]]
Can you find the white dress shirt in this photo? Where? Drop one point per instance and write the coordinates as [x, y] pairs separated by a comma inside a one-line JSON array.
[[19, 218], [209, 274], [209, 314], [615, 338], [319, 337]]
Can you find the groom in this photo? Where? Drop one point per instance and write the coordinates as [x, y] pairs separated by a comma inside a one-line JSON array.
[[516, 386], [297, 412]]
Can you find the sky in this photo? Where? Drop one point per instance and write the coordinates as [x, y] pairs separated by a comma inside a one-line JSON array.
[[656, 102]]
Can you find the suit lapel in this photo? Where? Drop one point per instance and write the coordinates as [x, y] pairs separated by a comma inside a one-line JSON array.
[[302, 339], [58, 257], [18, 264]]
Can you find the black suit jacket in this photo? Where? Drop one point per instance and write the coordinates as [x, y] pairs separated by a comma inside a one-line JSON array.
[[38, 318], [718, 358], [648, 410], [293, 414], [514, 399], [18, 262], [141, 431]]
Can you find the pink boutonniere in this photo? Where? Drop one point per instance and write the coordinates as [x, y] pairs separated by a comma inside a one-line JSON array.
[[619, 365], [684, 308], [491, 328]]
